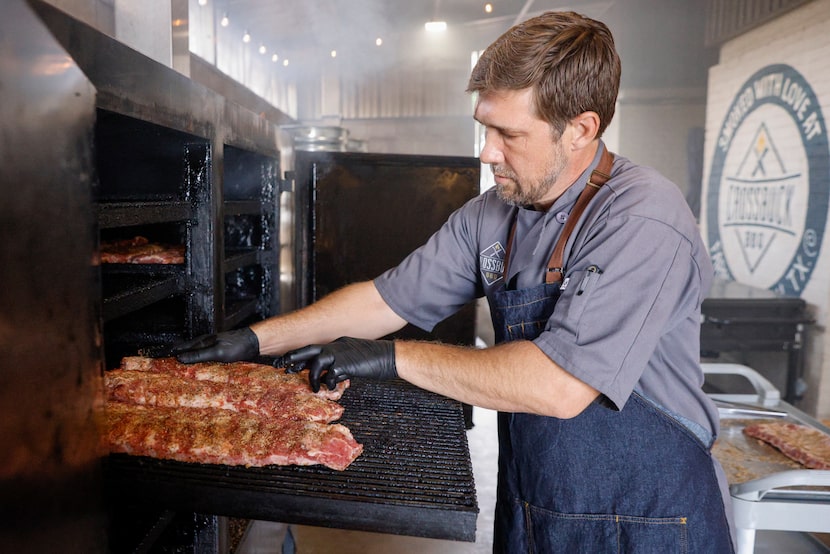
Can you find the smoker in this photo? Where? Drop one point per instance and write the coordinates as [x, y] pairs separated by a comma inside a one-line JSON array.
[[172, 161], [737, 318], [160, 183], [50, 479], [360, 214]]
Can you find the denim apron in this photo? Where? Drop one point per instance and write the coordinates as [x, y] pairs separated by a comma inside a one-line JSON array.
[[633, 480]]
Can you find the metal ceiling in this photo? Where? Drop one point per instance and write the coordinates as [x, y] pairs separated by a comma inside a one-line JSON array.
[[304, 28], [660, 42]]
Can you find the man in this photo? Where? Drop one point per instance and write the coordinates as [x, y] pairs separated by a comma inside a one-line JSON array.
[[604, 431]]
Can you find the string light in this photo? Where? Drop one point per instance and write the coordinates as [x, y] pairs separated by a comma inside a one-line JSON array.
[[275, 58], [262, 49], [225, 21], [246, 37], [203, 2], [285, 63], [488, 7], [334, 53], [378, 41]]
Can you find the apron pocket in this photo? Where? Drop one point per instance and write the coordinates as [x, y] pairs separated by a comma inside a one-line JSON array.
[[554, 532]]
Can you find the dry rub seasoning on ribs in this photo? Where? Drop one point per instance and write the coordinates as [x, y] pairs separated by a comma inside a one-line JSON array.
[[233, 414], [215, 436]]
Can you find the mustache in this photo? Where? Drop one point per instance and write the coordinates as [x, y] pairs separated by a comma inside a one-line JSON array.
[[503, 171]]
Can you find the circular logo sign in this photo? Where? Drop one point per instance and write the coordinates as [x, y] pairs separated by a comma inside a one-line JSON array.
[[768, 187]]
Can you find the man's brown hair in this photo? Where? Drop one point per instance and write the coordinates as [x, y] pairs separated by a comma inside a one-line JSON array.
[[569, 60]]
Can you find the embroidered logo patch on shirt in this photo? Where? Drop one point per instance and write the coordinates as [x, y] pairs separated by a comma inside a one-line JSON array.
[[491, 260]]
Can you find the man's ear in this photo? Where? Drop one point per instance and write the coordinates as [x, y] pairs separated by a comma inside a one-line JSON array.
[[586, 126]]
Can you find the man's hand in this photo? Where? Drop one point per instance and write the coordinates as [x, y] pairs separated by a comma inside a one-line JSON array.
[[343, 359], [230, 346]]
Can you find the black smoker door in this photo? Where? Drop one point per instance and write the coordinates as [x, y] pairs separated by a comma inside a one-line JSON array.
[[361, 214], [51, 497]]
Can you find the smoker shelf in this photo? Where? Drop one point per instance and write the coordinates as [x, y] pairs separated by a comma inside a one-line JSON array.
[[414, 476], [108, 270], [124, 294], [243, 207], [125, 214], [237, 311], [236, 258]]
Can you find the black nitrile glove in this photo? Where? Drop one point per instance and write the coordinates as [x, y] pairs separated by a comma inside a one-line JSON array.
[[230, 346], [343, 359]]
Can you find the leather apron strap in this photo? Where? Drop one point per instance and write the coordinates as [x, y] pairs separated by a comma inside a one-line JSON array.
[[599, 177]]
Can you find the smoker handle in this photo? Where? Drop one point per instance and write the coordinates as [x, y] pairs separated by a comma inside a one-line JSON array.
[[758, 320], [767, 394], [756, 489]]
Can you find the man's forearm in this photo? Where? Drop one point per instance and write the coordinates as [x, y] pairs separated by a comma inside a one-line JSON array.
[[513, 377], [356, 310]]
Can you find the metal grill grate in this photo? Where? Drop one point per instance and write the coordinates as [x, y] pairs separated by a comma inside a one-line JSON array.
[[413, 478]]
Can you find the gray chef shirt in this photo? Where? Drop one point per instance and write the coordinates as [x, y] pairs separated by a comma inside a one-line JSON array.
[[636, 272]]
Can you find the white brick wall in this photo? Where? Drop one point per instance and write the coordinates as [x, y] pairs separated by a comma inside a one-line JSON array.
[[801, 40], [654, 130]]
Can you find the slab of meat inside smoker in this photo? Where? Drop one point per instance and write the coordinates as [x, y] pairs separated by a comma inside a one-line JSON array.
[[810, 447], [139, 250], [215, 436], [170, 391], [251, 375]]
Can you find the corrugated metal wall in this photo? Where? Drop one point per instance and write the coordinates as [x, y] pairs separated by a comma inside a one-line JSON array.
[[406, 92], [726, 19]]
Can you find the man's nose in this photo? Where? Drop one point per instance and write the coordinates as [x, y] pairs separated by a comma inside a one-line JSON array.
[[491, 154]]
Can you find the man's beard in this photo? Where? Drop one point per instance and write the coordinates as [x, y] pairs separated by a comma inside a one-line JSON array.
[[525, 194]]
